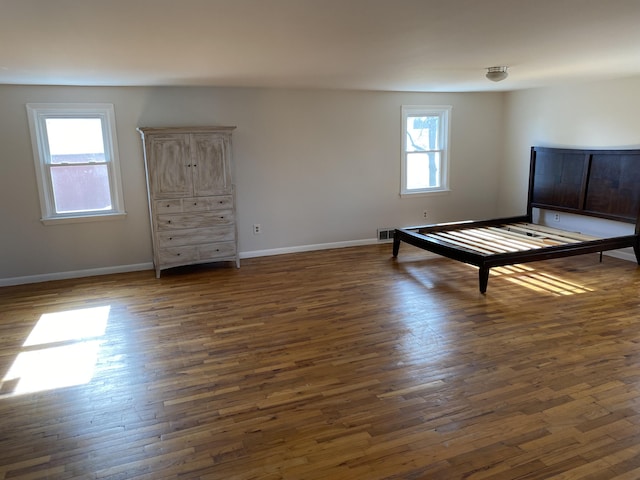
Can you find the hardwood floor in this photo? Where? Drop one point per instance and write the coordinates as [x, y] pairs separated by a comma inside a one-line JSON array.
[[341, 364]]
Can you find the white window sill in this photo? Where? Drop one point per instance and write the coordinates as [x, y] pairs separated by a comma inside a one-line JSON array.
[[83, 218], [425, 194]]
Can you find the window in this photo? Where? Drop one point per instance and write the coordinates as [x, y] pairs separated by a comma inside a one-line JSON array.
[[425, 149], [76, 158]]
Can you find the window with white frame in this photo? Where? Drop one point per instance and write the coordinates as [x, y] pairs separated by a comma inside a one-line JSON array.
[[76, 159], [425, 149]]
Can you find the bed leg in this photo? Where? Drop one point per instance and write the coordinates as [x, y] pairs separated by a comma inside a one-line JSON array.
[[636, 250], [484, 278], [396, 244]]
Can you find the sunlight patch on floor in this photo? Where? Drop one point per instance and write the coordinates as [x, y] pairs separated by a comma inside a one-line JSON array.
[[535, 280], [61, 351]]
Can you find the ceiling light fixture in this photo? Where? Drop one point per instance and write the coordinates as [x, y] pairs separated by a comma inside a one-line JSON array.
[[496, 74]]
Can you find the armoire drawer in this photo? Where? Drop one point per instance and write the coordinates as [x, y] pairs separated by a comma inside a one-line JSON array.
[[168, 206], [217, 250], [194, 204], [195, 236], [196, 253], [206, 204], [178, 255], [173, 221]]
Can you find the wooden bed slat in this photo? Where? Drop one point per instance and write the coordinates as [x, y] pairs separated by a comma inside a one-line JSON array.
[[509, 243], [574, 235], [464, 237], [525, 239], [447, 239], [526, 228], [511, 237]]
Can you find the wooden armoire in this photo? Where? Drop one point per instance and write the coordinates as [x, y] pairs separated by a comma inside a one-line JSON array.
[[191, 195]]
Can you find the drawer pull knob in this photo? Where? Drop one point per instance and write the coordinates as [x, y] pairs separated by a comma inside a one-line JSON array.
[[195, 203], [178, 254], [168, 205], [168, 221], [170, 238]]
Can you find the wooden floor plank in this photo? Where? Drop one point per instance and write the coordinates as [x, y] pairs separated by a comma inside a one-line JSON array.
[[338, 364]]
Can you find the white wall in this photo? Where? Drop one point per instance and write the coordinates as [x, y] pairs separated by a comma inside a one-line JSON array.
[[591, 115], [313, 168], [31, 250]]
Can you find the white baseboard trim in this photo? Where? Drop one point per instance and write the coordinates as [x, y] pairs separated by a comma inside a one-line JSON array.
[[626, 254], [308, 248], [47, 277]]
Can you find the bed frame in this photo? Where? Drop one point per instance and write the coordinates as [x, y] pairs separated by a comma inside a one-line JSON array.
[[595, 183]]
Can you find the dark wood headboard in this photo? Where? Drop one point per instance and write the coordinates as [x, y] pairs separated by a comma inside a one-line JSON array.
[[598, 183]]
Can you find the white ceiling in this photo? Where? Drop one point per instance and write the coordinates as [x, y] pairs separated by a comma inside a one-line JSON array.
[[403, 45]]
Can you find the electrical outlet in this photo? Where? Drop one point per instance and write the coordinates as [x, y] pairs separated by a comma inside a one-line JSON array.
[[556, 217], [257, 229], [424, 214]]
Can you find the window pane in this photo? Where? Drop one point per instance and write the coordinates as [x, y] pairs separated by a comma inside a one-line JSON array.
[[76, 161], [81, 188], [422, 170], [422, 133], [75, 140]]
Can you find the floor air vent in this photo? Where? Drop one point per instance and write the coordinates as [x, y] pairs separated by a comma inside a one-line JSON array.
[[385, 234]]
